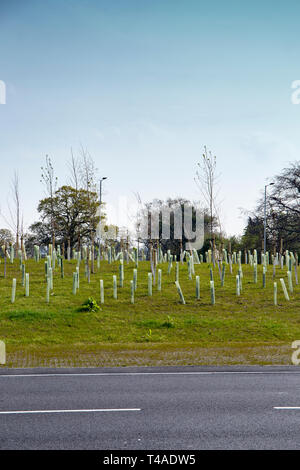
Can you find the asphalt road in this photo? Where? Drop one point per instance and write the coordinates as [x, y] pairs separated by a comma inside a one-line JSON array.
[[153, 408]]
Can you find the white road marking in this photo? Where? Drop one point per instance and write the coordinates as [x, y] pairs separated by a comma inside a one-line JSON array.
[[114, 374], [68, 411], [286, 407]]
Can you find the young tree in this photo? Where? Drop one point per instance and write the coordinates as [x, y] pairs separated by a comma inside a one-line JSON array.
[[88, 173], [50, 181], [206, 180], [14, 219], [15, 212], [74, 169]]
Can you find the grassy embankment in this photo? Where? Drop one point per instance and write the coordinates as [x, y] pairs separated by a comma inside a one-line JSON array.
[[155, 330]]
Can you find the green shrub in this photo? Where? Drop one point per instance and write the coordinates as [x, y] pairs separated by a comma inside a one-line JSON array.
[[169, 323], [90, 305]]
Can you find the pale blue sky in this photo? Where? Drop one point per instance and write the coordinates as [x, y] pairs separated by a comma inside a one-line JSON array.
[[144, 85]]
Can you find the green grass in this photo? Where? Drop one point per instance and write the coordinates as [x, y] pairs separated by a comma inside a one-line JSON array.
[[153, 329]]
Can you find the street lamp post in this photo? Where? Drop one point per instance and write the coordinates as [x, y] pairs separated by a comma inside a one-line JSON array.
[[100, 202], [265, 218]]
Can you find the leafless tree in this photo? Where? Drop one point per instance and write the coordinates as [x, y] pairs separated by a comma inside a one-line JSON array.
[[87, 173], [207, 181], [14, 210], [50, 182], [87, 170], [74, 171], [15, 213]]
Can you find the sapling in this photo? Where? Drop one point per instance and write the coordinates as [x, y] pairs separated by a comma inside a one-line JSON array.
[[159, 280], [286, 295], [290, 281], [74, 283], [180, 292], [121, 273], [177, 271], [115, 289], [86, 267], [264, 276], [230, 264], [255, 273], [78, 280], [36, 253], [53, 258], [132, 292], [212, 292], [135, 278], [219, 269], [62, 273], [274, 269], [275, 293], [101, 291], [51, 278], [223, 275], [48, 291], [23, 275], [13, 290], [241, 280], [149, 284], [197, 287], [189, 268], [27, 285], [237, 284]]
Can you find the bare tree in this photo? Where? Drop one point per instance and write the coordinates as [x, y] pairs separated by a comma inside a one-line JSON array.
[[87, 172], [74, 169], [15, 215], [50, 182], [206, 180], [14, 219]]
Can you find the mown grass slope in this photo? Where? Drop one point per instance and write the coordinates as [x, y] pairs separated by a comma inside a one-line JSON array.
[[153, 330]]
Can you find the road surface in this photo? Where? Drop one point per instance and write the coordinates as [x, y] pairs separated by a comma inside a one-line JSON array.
[[150, 408]]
